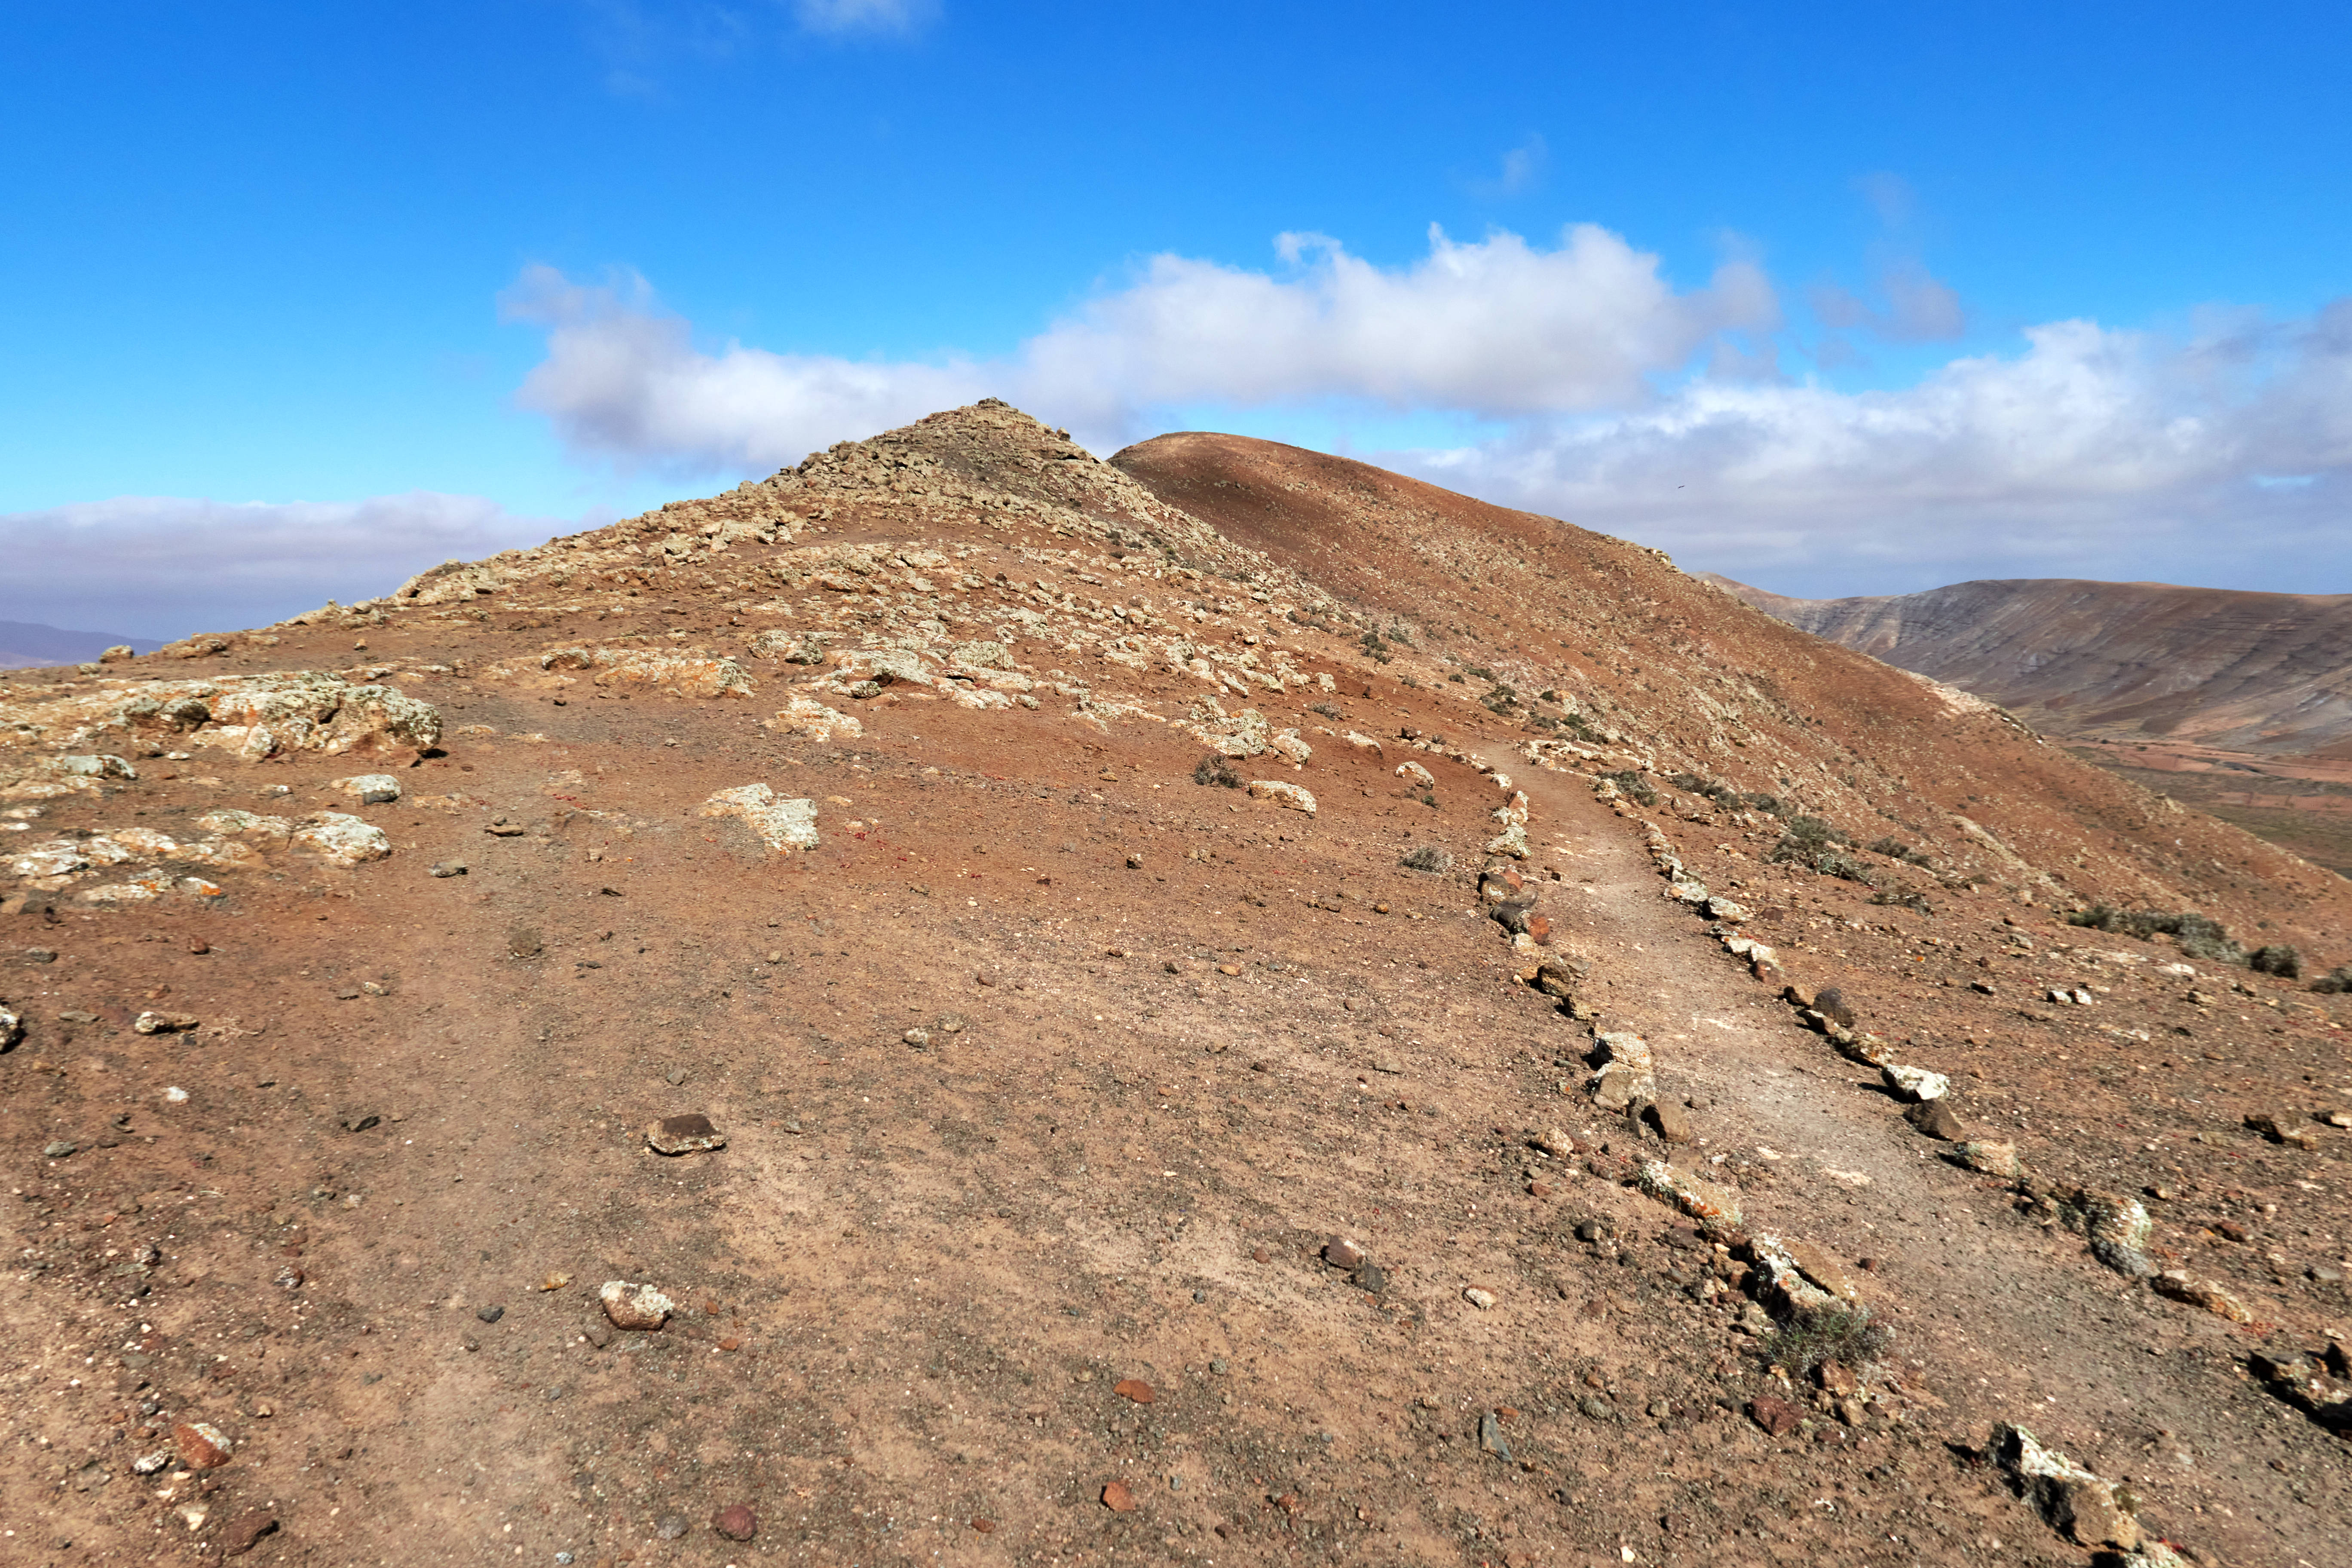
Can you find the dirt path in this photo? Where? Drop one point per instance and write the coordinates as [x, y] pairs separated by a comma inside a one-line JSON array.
[[2008, 1321]]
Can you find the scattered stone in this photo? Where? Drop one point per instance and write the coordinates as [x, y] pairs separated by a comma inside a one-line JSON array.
[[523, 941], [1989, 1158], [1836, 1378], [1134, 1388], [164, 1022], [1414, 774], [200, 1446], [2176, 1285], [2281, 1127], [1672, 1121], [1831, 1004], [736, 1521], [1490, 1438], [1698, 1199], [918, 1038], [1936, 1119], [631, 1306], [1116, 1498], [1289, 797], [1777, 1418], [148, 1464], [1628, 1071], [985, 1526], [1369, 1279], [1916, 1084], [670, 1526], [340, 839], [1343, 1254], [491, 1314], [2117, 1228], [1482, 1300], [1555, 1143], [2068, 1497], [371, 789], [59, 1150], [245, 1529], [1559, 975], [1596, 1407], [449, 868], [1818, 1264], [691, 1133]]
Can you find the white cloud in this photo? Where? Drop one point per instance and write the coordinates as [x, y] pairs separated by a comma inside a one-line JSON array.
[[1522, 170], [2223, 455], [1496, 328], [2093, 452], [164, 566]]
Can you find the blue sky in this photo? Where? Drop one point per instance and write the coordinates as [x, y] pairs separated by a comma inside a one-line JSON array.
[[1835, 298]]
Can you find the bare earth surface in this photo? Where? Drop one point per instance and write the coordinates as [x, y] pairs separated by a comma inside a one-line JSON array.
[[1056, 1086]]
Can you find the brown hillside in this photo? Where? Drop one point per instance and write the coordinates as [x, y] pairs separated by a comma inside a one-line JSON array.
[[2121, 661], [1220, 1007]]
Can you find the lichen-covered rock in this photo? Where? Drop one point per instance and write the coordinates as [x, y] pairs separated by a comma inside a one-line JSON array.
[[2117, 1228], [681, 672], [1914, 1084], [12, 1028], [1242, 734], [48, 861], [1785, 1284], [340, 839], [1289, 797], [1289, 747], [231, 820], [813, 721], [633, 1305], [370, 789], [783, 824], [1512, 841], [1413, 774], [2068, 1497]]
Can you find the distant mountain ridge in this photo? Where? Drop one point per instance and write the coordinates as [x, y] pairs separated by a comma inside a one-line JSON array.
[[28, 644], [2217, 667]]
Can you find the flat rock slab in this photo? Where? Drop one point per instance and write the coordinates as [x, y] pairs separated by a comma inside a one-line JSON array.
[[688, 1134]]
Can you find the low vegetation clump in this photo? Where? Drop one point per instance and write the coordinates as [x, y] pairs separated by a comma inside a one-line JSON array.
[[1716, 790], [1501, 699], [1632, 783], [1906, 900], [1810, 842], [1375, 649], [1894, 849], [1326, 711], [2277, 958], [1216, 769], [1426, 858], [1846, 1335], [2200, 936], [2336, 982]]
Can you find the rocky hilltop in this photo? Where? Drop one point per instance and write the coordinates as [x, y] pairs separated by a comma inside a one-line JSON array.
[[2251, 672], [967, 1002]]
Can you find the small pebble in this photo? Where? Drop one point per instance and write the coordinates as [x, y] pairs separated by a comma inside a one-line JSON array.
[[491, 1314]]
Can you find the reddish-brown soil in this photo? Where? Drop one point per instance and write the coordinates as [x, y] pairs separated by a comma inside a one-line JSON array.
[[1169, 1040]]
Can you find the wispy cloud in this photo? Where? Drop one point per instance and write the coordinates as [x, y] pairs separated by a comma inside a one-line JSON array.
[[164, 566], [1522, 170], [837, 17], [1496, 328]]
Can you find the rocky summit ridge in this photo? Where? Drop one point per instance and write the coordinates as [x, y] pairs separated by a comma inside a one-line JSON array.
[[965, 1001]]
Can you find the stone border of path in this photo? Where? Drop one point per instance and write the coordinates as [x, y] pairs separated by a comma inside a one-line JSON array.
[[1796, 1277]]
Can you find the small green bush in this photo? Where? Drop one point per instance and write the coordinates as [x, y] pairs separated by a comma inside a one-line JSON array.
[[1426, 858], [1842, 1334], [1501, 699], [2277, 958], [1216, 769], [2336, 981], [2199, 935], [1904, 899], [1635, 783], [1326, 711]]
